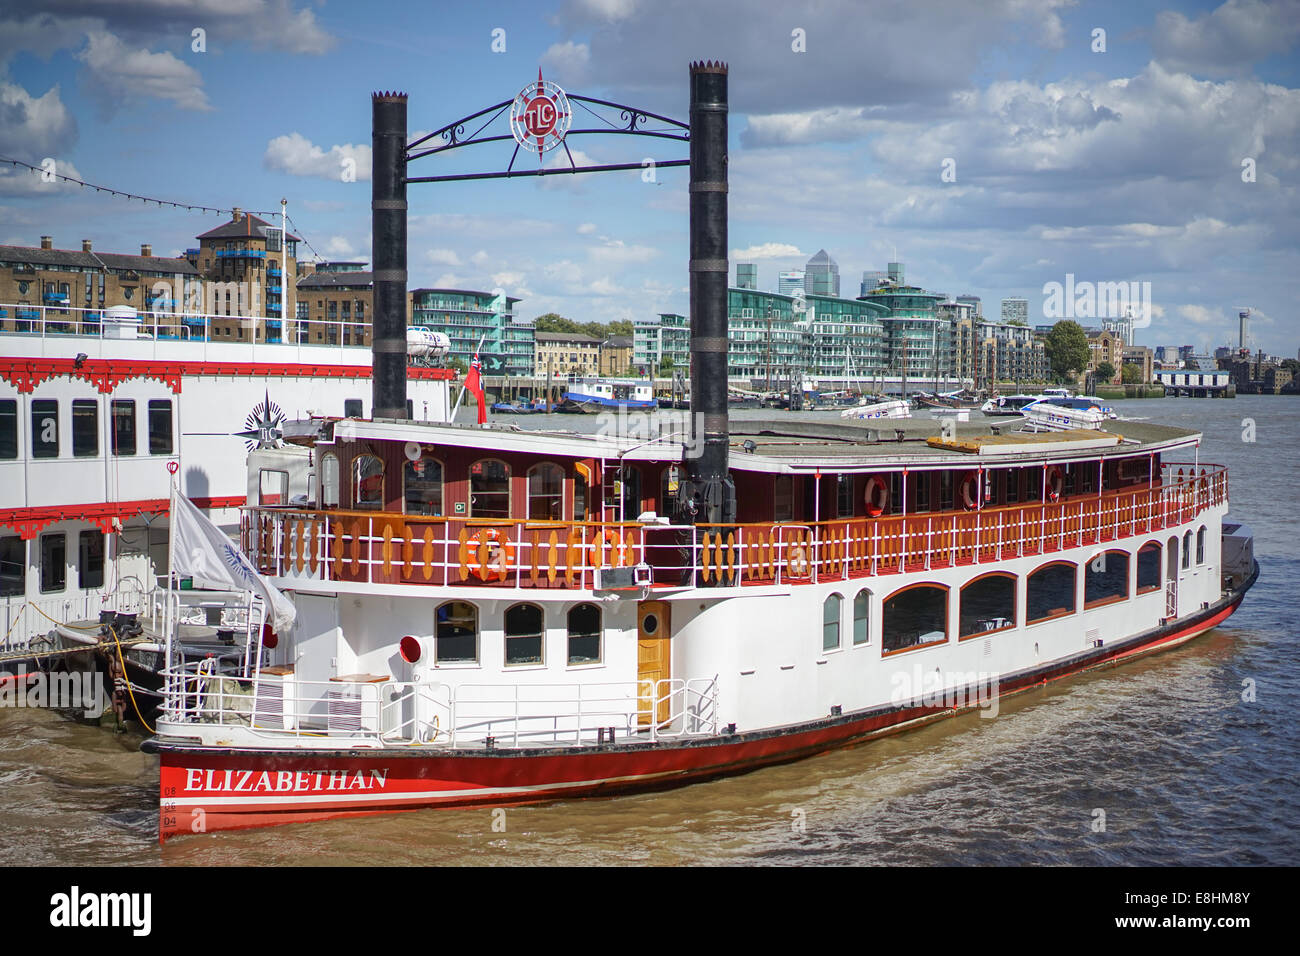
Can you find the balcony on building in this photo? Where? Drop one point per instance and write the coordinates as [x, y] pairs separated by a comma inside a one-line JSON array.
[[241, 253]]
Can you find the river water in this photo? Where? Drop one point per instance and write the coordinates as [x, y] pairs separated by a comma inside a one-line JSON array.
[[1184, 769]]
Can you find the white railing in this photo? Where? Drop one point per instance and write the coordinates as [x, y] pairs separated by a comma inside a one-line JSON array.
[[24, 619], [389, 713]]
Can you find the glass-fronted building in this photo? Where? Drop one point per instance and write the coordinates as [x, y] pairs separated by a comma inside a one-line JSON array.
[[467, 317]]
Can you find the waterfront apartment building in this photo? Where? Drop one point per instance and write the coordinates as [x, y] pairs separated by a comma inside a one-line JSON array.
[[334, 303], [667, 336], [616, 356], [246, 273], [787, 283], [746, 275], [561, 354], [1105, 346], [1141, 358], [977, 308], [468, 317], [61, 290]]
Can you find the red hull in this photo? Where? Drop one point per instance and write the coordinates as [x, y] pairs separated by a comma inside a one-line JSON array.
[[206, 789]]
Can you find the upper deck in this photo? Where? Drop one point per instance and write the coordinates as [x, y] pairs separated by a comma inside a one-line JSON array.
[[423, 504]]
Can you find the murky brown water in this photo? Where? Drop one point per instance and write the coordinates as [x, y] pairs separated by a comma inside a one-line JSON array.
[[1185, 771]]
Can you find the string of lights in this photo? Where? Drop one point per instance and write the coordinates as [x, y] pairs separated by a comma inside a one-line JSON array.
[[191, 206], [43, 171]]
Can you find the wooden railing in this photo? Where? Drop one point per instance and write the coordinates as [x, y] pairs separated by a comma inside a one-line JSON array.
[[387, 548]]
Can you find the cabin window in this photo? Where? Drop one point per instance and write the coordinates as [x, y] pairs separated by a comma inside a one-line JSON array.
[[422, 487], [489, 489], [367, 482], [45, 428], [272, 487], [1149, 567], [988, 604], [861, 618], [1070, 484], [584, 634], [54, 562], [456, 634], [8, 428], [1106, 578], [579, 498], [123, 426], [1187, 550], [783, 499], [915, 616], [844, 496], [351, 406], [1200, 545], [1013, 485], [831, 623], [1049, 592], [945, 491], [546, 492], [13, 566], [160, 426], [921, 495], [1087, 477], [895, 505], [90, 566], [329, 481], [524, 635], [85, 428]]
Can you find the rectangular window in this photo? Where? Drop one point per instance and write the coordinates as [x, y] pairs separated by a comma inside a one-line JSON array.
[[8, 428], [45, 428], [13, 566], [85, 427], [351, 408], [90, 567], [273, 487], [54, 562], [160, 426], [123, 426]]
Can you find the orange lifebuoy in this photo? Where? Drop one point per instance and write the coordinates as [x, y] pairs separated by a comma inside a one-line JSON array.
[[876, 496], [967, 490], [1055, 483], [500, 556], [622, 555]]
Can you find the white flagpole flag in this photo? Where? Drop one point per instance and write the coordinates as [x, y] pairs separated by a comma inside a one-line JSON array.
[[201, 550]]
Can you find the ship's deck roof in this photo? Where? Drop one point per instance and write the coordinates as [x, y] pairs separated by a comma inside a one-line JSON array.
[[794, 445]]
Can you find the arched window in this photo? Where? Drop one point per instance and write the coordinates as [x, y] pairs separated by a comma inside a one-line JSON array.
[[1149, 567], [524, 635], [1187, 549], [1049, 592], [584, 634], [422, 486], [329, 481], [915, 616], [1105, 579], [1200, 545], [831, 623], [367, 482], [861, 618], [456, 633], [546, 492], [489, 489], [988, 604]]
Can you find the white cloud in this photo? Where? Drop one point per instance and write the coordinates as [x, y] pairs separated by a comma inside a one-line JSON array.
[[21, 181], [480, 258], [298, 155], [33, 127], [617, 251], [339, 246], [448, 280], [1200, 315], [442, 257], [566, 63], [586, 228], [768, 250], [1229, 39], [117, 74]]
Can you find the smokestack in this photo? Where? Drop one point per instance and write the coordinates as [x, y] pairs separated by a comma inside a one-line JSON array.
[[708, 495], [47, 242], [388, 255], [146, 249], [236, 214], [85, 245]]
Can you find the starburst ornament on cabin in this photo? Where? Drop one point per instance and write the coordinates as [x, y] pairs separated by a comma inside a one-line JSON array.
[[262, 426]]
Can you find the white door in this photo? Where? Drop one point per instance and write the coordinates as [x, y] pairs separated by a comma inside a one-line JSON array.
[[315, 650]]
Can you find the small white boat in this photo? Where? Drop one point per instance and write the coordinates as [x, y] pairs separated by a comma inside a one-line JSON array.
[[1062, 413], [895, 409]]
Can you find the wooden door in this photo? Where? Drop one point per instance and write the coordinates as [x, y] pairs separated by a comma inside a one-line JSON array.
[[653, 658]]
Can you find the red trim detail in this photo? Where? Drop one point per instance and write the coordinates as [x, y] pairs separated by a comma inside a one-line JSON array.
[[107, 374]]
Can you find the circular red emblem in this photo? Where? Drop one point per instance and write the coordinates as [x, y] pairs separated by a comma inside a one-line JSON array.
[[173, 467], [540, 116]]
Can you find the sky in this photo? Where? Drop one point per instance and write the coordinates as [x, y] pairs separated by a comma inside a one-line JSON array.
[[994, 147]]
